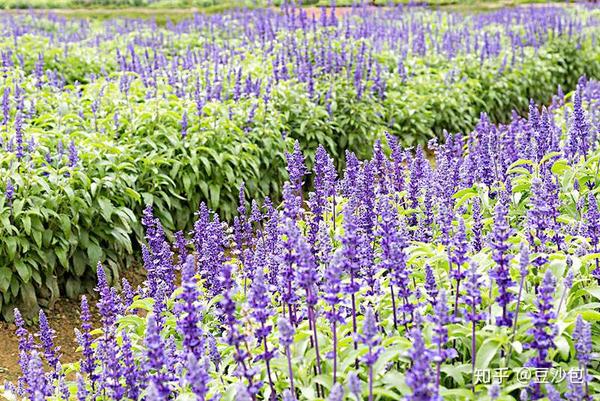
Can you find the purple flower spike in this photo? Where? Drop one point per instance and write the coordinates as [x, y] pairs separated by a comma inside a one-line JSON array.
[[500, 255], [47, 334]]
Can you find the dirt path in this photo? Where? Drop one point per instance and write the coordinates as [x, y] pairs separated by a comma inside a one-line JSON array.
[[64, 319]]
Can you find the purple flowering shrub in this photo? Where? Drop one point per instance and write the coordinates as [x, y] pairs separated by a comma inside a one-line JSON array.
[[396, 280]]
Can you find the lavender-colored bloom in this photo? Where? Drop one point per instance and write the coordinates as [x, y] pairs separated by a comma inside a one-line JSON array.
[[158, 259], [156, 358], [127, 292], [232, 335], [337, 393], [82, 392], [260, 302], [152, 393], [288, 396], [371, 339], [286, 332], [419, 375], [5, 106], [324, 185], [19, 135], [500, 255], [88, 363], [189, 311], [441, 319], [181, 245], [592, 226], [9, 192], [197, 376], [477, 225], [296, 169], [582, 336], [39, 386], [350, 244], [213, 351], [578, 142], [354, 385], [131, 371], [543, 330], [73, 156], [575, 391], [494, 391], [106, 304], [26, 345], [552, 393], [459, 253], [242, 393], [47, 334], [430, 284], [184, 124]]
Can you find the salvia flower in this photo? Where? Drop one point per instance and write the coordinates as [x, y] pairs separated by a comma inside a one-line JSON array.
[[582, 336], [543, 330], [419, 375], [500, 255], [189, 311]]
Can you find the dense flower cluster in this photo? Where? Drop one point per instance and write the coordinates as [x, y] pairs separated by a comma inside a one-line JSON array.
[[340, 292], [100, 118]]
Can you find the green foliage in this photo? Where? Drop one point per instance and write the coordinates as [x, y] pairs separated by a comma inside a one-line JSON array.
[[132, 151]]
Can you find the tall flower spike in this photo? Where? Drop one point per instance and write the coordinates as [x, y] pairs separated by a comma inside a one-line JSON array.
[[132, 371], [106, 304], [296, 168], [261, 311], [88, 363], [47, 335], [324, 185], [440, 319], [431, 287], [472, 301], [592, 218], [543, 330], [583, 347], [197, 376], [477, 225], [337, 393], [370, 338], [354, 385], [189, 311], [419, 376], [155, 357], [500, 255], [332, 290]]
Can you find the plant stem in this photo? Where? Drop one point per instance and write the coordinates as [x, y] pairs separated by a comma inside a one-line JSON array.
[[290, 371], [268, 363], [473, 354], [334, 333], [394, 307]]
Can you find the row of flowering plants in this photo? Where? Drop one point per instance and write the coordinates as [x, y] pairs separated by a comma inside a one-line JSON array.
[[100, 119], [474, 278]]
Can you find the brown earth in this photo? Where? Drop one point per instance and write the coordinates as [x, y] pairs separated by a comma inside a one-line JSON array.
[[64, 319]]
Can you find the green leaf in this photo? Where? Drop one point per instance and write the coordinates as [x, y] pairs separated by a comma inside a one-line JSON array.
[[487, 352], [23, 270]]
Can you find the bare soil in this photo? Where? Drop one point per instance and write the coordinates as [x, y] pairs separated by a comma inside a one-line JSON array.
[[64, 319]]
